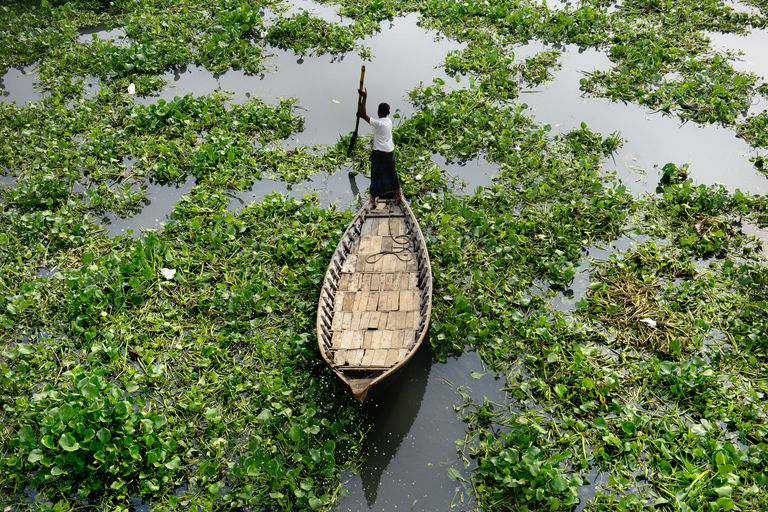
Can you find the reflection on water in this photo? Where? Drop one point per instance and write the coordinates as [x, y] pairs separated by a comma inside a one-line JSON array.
[[160, 202], [566, 299], [9, 180], [750, 49], [326, 85], [714, 153], [413, 441], [18, 86], [329, 13], [340, 189], [475, 173], [760, 233], [100, 33]]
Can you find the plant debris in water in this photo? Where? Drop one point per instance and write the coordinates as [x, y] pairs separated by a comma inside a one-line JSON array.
[[180, 369]]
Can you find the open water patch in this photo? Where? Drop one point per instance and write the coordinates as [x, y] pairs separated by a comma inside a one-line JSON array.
[[160, 201], [326, 86], [325, 12], [101, 32], [761, 234], [474, 174], [715, 153], [19, 86], [340, 189], [565, 300], [412, 443], [750, 56]]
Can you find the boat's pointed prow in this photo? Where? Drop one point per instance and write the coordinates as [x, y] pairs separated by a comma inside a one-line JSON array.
[[360, 388]]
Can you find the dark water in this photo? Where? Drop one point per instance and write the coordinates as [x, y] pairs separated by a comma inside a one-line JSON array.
[[413, 443], [154, 214]]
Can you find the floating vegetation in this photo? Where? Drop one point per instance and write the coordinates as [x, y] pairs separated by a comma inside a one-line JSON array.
[[179, 368]]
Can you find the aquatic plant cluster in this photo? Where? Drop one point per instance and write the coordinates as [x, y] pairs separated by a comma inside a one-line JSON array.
[[180, 369]]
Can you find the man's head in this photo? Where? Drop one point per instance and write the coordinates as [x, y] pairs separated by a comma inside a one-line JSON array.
[[383, 109]]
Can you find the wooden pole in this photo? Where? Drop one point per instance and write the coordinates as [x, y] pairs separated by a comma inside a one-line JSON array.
[[357, 119]]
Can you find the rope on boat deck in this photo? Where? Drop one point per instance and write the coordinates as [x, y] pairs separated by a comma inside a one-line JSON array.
[[400, 249]]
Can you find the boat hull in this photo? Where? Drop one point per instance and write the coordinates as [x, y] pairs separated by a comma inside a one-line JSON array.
[[376, 299]]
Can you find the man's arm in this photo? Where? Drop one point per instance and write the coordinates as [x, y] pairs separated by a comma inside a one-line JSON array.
[[361, 113]]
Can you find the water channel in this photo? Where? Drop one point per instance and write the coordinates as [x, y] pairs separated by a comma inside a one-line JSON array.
[[412, 444]]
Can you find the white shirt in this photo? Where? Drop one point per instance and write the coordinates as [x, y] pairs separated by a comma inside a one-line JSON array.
[[382, 134]]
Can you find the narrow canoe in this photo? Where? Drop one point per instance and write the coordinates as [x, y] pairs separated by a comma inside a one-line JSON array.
[[376, 299]]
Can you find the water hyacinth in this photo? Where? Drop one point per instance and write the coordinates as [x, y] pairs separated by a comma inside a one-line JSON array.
[[179, 367]]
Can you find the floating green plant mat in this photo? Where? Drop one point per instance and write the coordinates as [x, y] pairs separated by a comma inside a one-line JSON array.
[[180, 369]]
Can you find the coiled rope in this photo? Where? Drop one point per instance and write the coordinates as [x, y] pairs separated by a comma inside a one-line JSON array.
[[400, 249]]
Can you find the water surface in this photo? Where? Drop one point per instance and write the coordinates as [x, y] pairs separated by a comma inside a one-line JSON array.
[[413, 442], [715, 154]]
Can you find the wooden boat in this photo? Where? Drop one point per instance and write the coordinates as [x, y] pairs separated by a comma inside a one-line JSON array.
[[376, 299]]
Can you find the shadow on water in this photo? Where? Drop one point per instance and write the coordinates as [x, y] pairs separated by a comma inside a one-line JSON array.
[[475, 173], [340, 189], [412, 443], [714, 153]]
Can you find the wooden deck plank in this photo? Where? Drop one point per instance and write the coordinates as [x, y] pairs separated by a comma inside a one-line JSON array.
[[355, 357], [393, 357], [350, 264], [373, 301], [369, 356], [409, 300], [379, 357], [370, 305], [383, 226]]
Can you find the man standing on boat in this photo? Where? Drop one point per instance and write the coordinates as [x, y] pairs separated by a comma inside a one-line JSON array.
[[384, 181]]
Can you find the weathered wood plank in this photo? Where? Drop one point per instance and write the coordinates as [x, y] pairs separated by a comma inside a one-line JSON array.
[[355, 357], [350, 264], [380, 358], [409, 300], [373, 301]]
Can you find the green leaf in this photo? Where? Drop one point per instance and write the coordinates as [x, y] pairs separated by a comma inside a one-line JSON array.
[[725, 490], [453, 474], [104, 435], [725, 503], [559, 483], [90, 390], [68, 442], [123, 409], [476, 375], [35, 455], [174, 463], [26, 434]]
